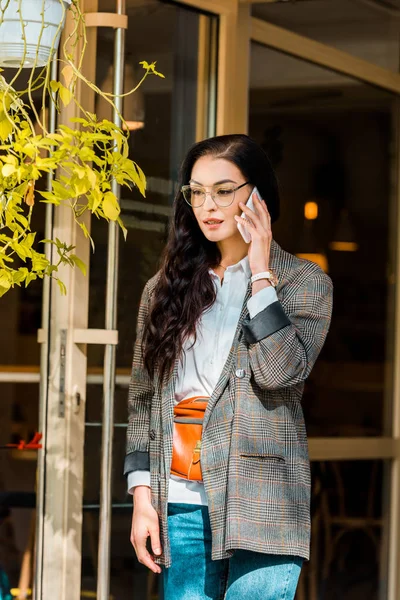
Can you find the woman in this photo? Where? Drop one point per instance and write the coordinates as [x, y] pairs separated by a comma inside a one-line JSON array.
[[212, 324]]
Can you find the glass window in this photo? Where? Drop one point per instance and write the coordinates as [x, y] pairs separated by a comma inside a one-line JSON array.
[[168, 109], [19, 423], [330, 140], [129, 580], [349, 528], [367, 30], [21, 310], [169, 35]]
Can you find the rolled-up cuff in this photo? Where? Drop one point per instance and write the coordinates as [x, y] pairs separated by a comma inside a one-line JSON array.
[[261, 300], [136, 478], [265, 323], [136, 461]]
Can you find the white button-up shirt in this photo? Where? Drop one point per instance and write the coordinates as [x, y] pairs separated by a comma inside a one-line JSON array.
[[202, 364]]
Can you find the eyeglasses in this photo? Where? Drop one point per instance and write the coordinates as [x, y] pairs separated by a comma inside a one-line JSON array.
[[223, 195]]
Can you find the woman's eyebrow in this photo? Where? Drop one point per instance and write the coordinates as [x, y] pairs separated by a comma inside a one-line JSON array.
[[216, 183]]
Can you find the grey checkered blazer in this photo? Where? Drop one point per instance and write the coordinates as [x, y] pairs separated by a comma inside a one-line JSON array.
[[254, 451]]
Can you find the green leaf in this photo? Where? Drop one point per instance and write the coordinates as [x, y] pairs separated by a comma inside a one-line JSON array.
[[21, 219], [96, 197], [151, 68], [29, 239], [20, 275], [30, 277], [54, 85], [79, 120], [8, 170], [139, 178], [50, 198], [91, 175], [39, 262], [78, 262], [6, 127], [5, 282], [22, 252], [62, 287], [123, 228], [110, 206], [87, 234]]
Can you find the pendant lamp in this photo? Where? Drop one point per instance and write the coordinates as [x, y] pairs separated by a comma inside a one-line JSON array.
[[309, 247], [344, 239]]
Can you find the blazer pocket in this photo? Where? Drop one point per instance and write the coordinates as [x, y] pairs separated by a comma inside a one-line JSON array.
[[263, 457]]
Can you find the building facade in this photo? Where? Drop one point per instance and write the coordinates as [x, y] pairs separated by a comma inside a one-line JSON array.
[[317, 84]]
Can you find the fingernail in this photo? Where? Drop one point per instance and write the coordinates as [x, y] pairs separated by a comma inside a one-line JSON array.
[[157, 551]]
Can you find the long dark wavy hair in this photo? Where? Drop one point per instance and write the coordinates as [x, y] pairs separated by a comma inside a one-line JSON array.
[[185, 288]]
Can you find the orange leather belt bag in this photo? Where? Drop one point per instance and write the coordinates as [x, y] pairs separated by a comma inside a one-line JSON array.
[[188, 426]]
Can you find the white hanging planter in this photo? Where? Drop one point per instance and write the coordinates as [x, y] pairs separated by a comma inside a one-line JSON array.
[[12, 45]]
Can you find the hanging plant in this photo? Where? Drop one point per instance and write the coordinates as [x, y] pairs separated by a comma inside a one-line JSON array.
[[84, 158]]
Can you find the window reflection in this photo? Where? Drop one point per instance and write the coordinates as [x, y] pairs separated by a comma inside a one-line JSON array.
[[363, 29], [19, 420], [349, 523], [330, 140], [170, 124]]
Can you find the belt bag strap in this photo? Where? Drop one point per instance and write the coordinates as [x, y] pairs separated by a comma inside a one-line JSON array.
[[188, 427]]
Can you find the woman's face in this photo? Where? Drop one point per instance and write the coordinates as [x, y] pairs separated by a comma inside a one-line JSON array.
[[217, 223]]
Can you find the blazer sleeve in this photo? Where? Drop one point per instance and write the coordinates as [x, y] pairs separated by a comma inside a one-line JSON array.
[[139, 400], [286, 338]]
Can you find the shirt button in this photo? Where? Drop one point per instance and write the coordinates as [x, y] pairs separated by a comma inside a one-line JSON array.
[[240, 373], [152, 434]]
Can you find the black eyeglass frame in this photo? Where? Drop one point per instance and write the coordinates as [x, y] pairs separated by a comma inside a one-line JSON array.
[[187, 187]]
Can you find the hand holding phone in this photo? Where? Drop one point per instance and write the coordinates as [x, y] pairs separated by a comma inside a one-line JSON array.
[[246, 235]]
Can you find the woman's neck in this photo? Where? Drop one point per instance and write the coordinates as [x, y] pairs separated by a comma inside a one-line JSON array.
[[232, 253]]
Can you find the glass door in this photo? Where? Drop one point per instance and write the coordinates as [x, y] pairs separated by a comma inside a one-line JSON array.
[[170, 115], [333, 140], [19, 393]]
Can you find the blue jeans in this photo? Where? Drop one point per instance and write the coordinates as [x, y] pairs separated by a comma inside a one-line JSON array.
[[194, 576]]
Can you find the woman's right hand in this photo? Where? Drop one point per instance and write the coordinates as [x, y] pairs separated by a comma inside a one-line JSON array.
[[145, 524]]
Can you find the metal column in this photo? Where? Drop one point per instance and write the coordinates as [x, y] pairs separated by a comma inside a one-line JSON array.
[[103, 571], [44, 372]]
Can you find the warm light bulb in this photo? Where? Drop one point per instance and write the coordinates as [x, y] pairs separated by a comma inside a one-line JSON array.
[[311, 211], [133, 125]]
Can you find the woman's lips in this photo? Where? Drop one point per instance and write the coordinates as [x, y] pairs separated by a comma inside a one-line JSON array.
[[212, 224]]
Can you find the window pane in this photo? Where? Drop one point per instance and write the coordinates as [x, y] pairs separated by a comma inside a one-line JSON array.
[[21, 311], [170, 35], [169, 111], [129, 579], [367, 30], [19, 421], [330, 140], [92, 466], [349, 529]]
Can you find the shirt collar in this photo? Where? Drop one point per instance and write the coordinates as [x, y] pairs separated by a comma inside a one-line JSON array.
[[242, 264]]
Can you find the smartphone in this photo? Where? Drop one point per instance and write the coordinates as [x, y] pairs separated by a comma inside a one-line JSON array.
[[246, 235]]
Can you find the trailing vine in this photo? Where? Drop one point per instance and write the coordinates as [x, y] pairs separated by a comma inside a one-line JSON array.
[[84, 158]]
